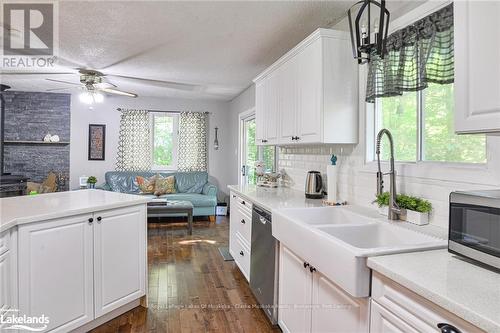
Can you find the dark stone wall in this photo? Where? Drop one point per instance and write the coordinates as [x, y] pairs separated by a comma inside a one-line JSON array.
[[29, 116]]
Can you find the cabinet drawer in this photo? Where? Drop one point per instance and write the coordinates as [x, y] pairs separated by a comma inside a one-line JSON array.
[[4, 241], [242, 257], [244, 228], [419, 313], [243, 205]]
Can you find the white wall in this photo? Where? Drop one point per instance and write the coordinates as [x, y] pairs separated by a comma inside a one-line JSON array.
[[106, 113], [243, 102]]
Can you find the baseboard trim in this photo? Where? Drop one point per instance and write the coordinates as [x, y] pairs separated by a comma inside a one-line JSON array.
[[107, 317]]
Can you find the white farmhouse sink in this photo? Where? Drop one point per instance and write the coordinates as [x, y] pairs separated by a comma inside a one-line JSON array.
[[337, 241]]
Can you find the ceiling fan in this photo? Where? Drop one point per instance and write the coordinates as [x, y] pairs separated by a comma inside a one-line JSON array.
[[94, 87]]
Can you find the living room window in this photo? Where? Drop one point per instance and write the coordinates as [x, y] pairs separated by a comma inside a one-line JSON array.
[[164, 135], [422, 125]]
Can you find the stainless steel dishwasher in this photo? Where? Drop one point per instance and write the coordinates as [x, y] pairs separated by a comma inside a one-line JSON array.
[[264, 263]]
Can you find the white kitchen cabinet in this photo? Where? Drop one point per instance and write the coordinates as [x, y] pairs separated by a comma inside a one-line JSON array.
[[8, 270], [240, 228], [309, 302], [295, 293], [79, 268], [384, 321], [119, 257], [394, 308], [336, 311], [310, 94], [477, 50], [56, 274]]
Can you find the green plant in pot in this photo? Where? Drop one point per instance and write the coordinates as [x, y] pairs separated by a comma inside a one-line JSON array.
[[415, 210], [91, 181]]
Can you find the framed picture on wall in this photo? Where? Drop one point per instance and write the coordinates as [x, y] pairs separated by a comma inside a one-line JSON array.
[[97, 142]]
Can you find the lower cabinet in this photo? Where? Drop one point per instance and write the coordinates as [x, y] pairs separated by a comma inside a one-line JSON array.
[[240, 229], [56, 275], [8, 273], [309, 302], [79, 268], [397, 309]]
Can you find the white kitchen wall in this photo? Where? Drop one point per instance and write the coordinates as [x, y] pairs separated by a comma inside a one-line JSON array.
[[106, 113]]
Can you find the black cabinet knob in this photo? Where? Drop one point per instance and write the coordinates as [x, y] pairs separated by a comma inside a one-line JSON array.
[[243, 203], [312, 269], [264, 141], [99, 219], [447, 328], [91, 220], [241, 253], [243, 221], [306, 264]]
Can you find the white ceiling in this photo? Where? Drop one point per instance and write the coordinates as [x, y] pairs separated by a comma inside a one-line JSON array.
[[218, 46]]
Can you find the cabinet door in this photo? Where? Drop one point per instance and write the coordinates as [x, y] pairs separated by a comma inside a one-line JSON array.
[[5, 281], [384, 321], [260, 105], [119, 257], [295, 288], [289, 102], [336, 311], [56, 274], [477, 50], [272, 109], [234, 218], [309, 93]]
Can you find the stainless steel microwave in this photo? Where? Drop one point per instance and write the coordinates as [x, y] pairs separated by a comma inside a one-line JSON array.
[[475, 226]]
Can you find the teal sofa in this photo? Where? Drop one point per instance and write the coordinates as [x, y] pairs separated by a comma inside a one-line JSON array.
[[190, 186]]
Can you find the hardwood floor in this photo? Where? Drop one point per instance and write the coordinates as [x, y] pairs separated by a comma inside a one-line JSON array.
[[191, 288]]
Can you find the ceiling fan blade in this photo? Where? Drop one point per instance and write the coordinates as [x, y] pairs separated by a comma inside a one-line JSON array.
[[58, 89], [118, 92], [65, 82], [104, 85], [167, 84]]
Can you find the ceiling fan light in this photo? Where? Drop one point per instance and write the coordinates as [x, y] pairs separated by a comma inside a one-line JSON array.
[[86, 97]]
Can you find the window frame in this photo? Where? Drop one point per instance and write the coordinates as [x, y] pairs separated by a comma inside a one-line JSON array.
[[427, 172], [175, 141], [242, 117]]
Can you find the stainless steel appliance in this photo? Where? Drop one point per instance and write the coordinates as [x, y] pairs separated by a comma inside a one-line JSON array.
[[264, 263], [474, 226], [314, 185]]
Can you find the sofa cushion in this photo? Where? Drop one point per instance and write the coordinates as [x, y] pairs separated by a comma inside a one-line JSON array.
[[190, 182], [146, 185], [164, 185]]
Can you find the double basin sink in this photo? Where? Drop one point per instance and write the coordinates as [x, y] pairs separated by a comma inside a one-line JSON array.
[[338, 240]]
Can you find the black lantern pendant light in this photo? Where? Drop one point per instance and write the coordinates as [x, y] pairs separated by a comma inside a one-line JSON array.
[[363, 45]]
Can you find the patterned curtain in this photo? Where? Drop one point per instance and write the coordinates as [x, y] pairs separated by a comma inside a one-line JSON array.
[[416, 55], [134, 144], [193, 141]]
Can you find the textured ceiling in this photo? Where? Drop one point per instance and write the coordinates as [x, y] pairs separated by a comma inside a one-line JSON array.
[[217, 46]]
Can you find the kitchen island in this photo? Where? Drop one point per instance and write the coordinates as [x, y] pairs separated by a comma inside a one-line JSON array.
[[78, 258]]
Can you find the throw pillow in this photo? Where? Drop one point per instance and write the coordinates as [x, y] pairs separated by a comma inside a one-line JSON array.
[[146, 186], [165, 185]]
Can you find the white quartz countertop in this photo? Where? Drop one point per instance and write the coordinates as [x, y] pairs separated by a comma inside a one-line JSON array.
[[33, 208], [275, 198], [467, 290]]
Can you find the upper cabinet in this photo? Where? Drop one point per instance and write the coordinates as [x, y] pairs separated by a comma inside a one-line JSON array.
[[310, 95], [477, 69]]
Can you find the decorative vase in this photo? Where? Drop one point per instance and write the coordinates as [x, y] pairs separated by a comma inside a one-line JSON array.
[[91, 185]]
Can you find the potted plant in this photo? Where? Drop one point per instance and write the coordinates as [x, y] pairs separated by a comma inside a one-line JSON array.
[[91, 181], [414, 210]]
